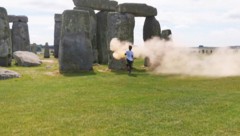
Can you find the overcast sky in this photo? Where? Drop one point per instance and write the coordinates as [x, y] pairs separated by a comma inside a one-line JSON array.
[[193, 22]]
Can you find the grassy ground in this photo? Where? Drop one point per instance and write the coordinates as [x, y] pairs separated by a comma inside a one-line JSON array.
[[101, 103]]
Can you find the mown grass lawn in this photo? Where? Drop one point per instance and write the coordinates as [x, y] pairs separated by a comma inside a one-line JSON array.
[[102, 103]]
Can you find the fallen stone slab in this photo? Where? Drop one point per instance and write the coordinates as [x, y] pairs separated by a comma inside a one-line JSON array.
[[27, 59], [7, 74], [140, 10], [105, 5]]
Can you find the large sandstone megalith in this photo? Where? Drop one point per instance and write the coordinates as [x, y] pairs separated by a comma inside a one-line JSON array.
[[34, 48], [75, 50], [119, 26], [113, 25], [151, 28], [57, 33], [20, 33], [93, 31], [5, 39], [46, 51], [166, 34], [103, 49]]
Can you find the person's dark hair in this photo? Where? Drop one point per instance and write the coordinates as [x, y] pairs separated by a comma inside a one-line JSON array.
[[130, 47]]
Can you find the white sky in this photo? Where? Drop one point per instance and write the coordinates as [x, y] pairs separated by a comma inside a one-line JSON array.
[[193, 22]]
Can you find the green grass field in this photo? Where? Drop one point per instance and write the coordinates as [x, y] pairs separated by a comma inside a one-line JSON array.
[[105, 103]]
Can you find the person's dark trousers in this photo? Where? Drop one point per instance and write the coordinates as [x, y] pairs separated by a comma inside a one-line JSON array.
[[129, 66]]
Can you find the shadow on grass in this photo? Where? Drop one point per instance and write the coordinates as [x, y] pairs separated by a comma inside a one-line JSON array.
[[141, 70], [135, 72], [77, 74], [133, 75]]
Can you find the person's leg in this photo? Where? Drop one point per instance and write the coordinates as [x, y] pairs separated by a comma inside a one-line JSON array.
[[127, 65], [130, 66]]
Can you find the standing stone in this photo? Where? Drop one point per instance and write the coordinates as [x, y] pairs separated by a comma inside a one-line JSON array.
[[103, 49], [5, 39], [57, 33], [166, 34], [75, 50], [119, 26], [147, 62], [34, 48], [105, 5], [20, 34], [151, 28], [46, 51], [93, 31]]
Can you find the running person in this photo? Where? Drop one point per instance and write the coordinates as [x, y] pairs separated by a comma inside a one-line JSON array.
[[129, 55]]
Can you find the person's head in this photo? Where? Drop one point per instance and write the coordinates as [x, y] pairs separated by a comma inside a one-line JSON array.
[[130, 47]]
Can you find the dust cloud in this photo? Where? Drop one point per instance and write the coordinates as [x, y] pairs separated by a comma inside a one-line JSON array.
[[166, 57]]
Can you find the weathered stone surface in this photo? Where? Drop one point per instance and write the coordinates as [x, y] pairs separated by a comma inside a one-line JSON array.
[[105, 5], [151, 28], [13, 18], [103, 49], [20, 36], [5, 39], [33, 48], [58, 17], [7, 74], [20, 33], [57, 33], [75, 21], [111, 25], [120, 26], [75, 51], [93, 31], [166, 34], [136, 9], [46, 51], [147, 62], [27, 59]]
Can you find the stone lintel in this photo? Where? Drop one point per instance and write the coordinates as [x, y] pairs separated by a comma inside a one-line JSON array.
[[13, 18], [137, 9], [105, 5], [58, 17]]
